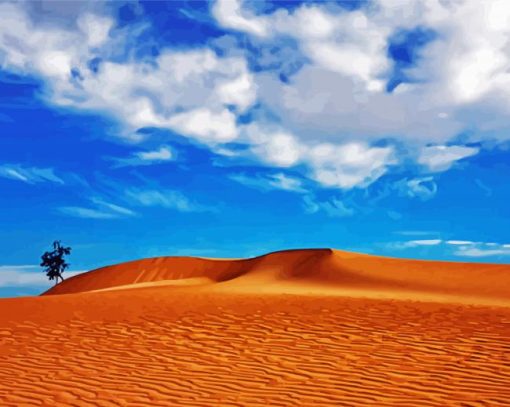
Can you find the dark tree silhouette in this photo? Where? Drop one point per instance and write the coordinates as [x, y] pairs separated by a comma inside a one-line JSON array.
[[54, 263]]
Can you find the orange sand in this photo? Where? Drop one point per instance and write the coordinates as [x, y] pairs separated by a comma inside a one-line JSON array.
[[302, 327]]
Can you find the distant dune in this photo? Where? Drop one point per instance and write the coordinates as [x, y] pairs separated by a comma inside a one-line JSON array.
[[293, 328], [314, 271]]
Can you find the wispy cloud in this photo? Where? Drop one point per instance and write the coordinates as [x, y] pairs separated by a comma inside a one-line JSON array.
[[482, 251], [100, 210], [87, 213], [487, 190], [333, 207], [282, 181], [161, 155], [27, 275], [459, 242], [165, 198], [29, 175], [113, 208], [423, 188], [422, 242], [270, 182], [461, 248]]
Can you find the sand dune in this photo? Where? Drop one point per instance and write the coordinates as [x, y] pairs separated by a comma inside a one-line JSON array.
[[281, 330], [314, 271]]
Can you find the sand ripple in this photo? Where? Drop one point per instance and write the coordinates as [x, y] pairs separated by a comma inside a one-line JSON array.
[[159, 349]]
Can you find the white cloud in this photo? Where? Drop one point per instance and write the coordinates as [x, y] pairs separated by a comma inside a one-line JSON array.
[[459, 242], [165, 198], [472, 54], [86, 213], [481, 252], [26, 276], [335, 107], [343, 166], [230, 14], [274, 146], [95, 28], [424, 188], [150, 157], [346, 43], [461, 81], [8, 172], [424, 242], [206, 125], [282, 181], [480, 249], [333, 207], [162, 154], [349, 165], [186, 91], [30, 175], [461, 248], [101, 210], [441, 158], [326, 120], [270, 181], [240, 92], [114, 209]]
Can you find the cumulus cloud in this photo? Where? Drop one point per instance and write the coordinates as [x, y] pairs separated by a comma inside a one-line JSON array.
[[274, 146], [340, 93], [205, 124], [332, 117], [230, 14], [344, 166], [346, 43], [349, 165], [183, 90]]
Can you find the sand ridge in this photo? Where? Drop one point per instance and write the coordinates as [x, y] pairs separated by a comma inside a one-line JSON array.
[[315, 270]]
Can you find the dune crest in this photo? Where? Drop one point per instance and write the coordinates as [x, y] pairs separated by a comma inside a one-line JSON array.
[[327, 271]]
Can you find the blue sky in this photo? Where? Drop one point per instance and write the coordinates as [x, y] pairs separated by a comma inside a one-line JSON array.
[[232, 129]]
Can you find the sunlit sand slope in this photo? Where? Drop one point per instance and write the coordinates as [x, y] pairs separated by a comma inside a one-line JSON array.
[[180, 347], [319, 271]]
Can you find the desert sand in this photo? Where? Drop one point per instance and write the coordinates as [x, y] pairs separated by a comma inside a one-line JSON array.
[[294, 328]]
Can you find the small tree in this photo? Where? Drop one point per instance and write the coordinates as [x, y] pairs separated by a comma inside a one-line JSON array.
[[54, 263]]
